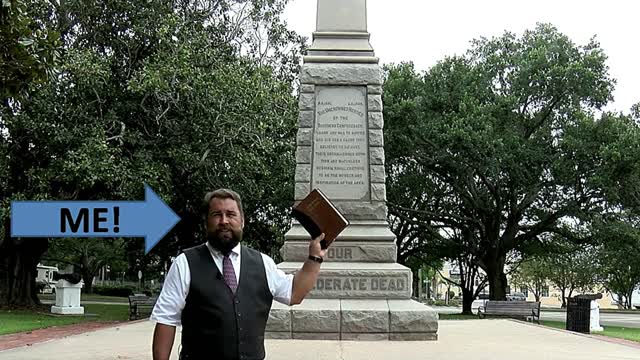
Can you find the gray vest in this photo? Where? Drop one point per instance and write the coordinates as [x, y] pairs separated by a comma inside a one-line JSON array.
[[216, 324]]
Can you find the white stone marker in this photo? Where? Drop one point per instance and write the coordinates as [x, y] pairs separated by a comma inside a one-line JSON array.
[[68, 298]]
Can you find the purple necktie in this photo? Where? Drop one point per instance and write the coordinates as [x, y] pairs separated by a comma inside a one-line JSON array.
[[229, 274]]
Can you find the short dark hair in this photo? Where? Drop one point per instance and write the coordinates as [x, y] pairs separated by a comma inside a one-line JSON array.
[[221, 194]]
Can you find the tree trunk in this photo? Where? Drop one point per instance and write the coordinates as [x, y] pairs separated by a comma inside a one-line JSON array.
[[497, 278], [564, 299], [467, 301], [87, 277], [19, 258]]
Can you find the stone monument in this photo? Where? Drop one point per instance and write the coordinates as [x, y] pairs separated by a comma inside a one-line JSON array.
[[68, 298], [362, 292]]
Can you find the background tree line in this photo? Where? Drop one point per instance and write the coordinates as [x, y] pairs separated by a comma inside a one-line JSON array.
[[101, 96], [503, 154], [493, 157]]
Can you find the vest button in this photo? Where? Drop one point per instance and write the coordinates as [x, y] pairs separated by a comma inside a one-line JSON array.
[[239, 315]]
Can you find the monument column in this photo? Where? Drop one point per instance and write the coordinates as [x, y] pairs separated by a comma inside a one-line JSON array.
[[362, 292]]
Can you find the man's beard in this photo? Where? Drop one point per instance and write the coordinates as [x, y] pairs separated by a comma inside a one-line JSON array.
[[224, 241]]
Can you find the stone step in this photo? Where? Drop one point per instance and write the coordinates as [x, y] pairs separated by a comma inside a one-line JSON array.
[[358, 280], [350, 319], [343, 251]]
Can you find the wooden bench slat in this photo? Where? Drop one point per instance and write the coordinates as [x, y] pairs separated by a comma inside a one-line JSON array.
[[140, 306], [519, 309]]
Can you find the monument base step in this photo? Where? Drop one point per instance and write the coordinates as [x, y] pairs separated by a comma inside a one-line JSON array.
[[349, 319], [358, 280], [67, 310]]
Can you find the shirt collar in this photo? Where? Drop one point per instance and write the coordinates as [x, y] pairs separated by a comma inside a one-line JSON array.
[[234, 252]]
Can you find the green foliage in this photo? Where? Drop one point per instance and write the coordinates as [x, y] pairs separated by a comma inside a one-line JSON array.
[[87, 255], [28, 50], [490, 152], [186, 96], [618, 260], [532, 274]]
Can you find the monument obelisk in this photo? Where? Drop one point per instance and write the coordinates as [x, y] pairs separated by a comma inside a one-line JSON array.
[[362, 292]]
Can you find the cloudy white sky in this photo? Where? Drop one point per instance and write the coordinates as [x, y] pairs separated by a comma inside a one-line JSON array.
[[425, 31]]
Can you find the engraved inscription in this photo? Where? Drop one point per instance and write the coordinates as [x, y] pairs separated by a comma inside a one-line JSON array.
[[340, 166], [362, 284], [340, 253]]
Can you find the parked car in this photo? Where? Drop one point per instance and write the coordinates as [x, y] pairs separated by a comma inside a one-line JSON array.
[[44, 279], [480, 301], [516, 297]]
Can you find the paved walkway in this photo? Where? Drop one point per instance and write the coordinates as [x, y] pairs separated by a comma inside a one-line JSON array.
[[459, 340]]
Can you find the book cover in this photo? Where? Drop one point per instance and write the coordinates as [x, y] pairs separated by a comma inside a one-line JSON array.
[[318, 215]]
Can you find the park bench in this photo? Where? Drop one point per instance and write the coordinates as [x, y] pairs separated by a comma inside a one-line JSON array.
[[526, 310], [140, 306]]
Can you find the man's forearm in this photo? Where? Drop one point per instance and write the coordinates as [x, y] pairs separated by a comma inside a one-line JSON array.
[[304, 281], [163, 338]]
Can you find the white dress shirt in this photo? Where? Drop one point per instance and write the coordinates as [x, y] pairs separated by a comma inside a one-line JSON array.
[[172, 299]]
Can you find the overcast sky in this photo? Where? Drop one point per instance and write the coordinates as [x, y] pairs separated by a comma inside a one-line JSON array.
[[425, 31]]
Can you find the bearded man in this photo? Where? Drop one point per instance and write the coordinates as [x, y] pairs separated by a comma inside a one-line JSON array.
[[221, 291]]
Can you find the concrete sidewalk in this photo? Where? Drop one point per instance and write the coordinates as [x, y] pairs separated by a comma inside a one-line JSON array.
[[458, 340]]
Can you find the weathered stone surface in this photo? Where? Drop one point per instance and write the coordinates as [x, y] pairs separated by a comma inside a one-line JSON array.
[[410, 316], [363, 210], [303, 173], [277, 335], [378, 192], [364, 337], [369, 231], [303, 155], [315, 336], [306, 102], [343, 251], [378, 174], [341, 74], [375, 138], [376, 121], [351, 16], [365, 316], [358, 280], [302, 190], [305, 137], [374, 89], [316, 316], [376, 156], [413, 336], [340, 158], [305, 119], [374, 102], [279, 318], [307, 88]]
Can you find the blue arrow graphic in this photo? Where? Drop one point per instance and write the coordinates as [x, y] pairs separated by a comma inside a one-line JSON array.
[[151, 219]]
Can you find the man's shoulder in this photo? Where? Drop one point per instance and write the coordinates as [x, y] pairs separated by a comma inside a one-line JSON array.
[[258, 254], [193, 249]]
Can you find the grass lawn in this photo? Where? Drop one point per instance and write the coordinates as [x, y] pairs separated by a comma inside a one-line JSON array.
[[89, 297], [19, 321], [632, 334]]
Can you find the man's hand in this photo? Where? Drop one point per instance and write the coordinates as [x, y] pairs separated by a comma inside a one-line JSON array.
[[305, 278], [315, 249]]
